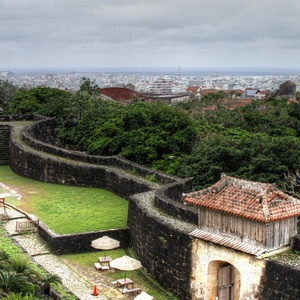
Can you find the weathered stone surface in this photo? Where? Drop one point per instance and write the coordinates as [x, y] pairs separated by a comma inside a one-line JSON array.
[[4, 144], [280, 282], [295, 244], [156, 233]]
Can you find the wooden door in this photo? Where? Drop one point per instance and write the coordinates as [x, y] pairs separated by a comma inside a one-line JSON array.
[[226, 283]]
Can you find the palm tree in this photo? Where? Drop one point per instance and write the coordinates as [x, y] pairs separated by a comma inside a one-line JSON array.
[[4, 256], [13, 282], [20, 296], [22, 265], [48, 280]]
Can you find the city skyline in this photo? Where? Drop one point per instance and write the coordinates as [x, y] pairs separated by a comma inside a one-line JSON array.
[[76, 34]]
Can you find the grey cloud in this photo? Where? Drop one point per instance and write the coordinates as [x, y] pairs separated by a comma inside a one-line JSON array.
[[168, 29]]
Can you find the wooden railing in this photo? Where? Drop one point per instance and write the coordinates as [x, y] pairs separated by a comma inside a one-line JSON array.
[[28, 225]]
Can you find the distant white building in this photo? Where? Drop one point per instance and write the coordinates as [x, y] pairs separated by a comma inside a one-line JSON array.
[[162, 85], [6, 74]]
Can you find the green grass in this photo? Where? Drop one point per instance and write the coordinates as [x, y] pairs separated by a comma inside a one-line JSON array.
[[88, 260], [7, 245], [66, 209]]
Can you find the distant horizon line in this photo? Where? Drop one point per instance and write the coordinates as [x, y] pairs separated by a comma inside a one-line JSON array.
[[184, 70]]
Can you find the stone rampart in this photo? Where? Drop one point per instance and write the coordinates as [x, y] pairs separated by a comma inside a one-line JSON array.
[[168, 199], [280, 282], [4, 144], [162, 245], [158, 238], [295, 243], [61, 244], [42, 136]]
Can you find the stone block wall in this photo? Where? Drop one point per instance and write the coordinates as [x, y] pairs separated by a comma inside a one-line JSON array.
[[164, 250], [295, 244], [168, 199], [38, 166], [280, 282], [4, 144], [61, 244]]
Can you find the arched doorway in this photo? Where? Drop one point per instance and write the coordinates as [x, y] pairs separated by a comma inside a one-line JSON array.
[[223, 281]]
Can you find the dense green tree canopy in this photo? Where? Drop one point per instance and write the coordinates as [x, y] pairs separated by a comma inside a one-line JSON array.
[[48, 101], [7, 93], [259, 141], [141, 132]]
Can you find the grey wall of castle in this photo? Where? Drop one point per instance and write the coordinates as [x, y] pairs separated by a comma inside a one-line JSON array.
[[48, 168], [4, 144], [162, 248], [280, 282]]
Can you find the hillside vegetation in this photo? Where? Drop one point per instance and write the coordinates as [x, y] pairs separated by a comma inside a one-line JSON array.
[[258, 142]]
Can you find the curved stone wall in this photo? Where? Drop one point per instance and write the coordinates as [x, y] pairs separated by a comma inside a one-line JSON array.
[[35, 154], [159, 224]]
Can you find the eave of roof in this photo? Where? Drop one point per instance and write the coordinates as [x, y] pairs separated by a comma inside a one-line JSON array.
[[251, 200], [226, 241]]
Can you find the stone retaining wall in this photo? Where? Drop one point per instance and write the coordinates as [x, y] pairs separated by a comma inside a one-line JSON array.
[[295, 244], [280, 282], [164, 249], [42, 136], [74, 243], [168, 199], [4, 144]]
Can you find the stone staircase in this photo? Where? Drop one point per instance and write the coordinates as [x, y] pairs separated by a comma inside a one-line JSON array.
[[4, 144]]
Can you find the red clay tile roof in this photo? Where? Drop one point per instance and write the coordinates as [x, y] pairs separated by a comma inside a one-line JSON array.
[[120, 94], [256, 201], [292, 100], [205, 92], [193, 89], [235, 91]]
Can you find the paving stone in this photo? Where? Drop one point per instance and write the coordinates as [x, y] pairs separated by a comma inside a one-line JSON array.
[[32, 243], [71, 280]]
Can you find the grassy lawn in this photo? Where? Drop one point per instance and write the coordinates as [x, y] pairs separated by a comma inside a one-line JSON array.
[[66, 209], [148, 285]]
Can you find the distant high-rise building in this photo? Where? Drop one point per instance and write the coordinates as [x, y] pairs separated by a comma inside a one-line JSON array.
[[162, 85], [179, 73]]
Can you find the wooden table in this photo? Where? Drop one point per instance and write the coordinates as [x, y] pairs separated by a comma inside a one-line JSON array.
[[125, 282], [104, 260]]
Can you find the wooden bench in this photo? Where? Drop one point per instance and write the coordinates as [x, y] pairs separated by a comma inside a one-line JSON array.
[[129, 291], [115, 284], [98, 267]]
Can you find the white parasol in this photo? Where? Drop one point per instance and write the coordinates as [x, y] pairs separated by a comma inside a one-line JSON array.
[[126, 263], [105, 243]]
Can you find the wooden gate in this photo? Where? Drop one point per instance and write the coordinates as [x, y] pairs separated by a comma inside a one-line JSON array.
[[226, 283]]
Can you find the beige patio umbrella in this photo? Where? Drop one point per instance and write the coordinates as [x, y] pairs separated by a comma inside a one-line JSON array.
[[126, 263], [105, 243]]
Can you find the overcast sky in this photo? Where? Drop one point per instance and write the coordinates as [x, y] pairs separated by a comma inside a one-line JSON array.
[[125, 33]]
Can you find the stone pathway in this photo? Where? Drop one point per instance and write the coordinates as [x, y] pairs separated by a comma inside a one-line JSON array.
[[37, 248]]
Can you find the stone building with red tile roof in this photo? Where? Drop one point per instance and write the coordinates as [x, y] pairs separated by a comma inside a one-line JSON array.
[[240, 223], [258, 213]]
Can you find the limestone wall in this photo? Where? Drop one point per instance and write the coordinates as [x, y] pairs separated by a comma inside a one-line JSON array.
[[163, 248], [178, 262], [4, 144], [204, 277], [61, 244], [280, 282]]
